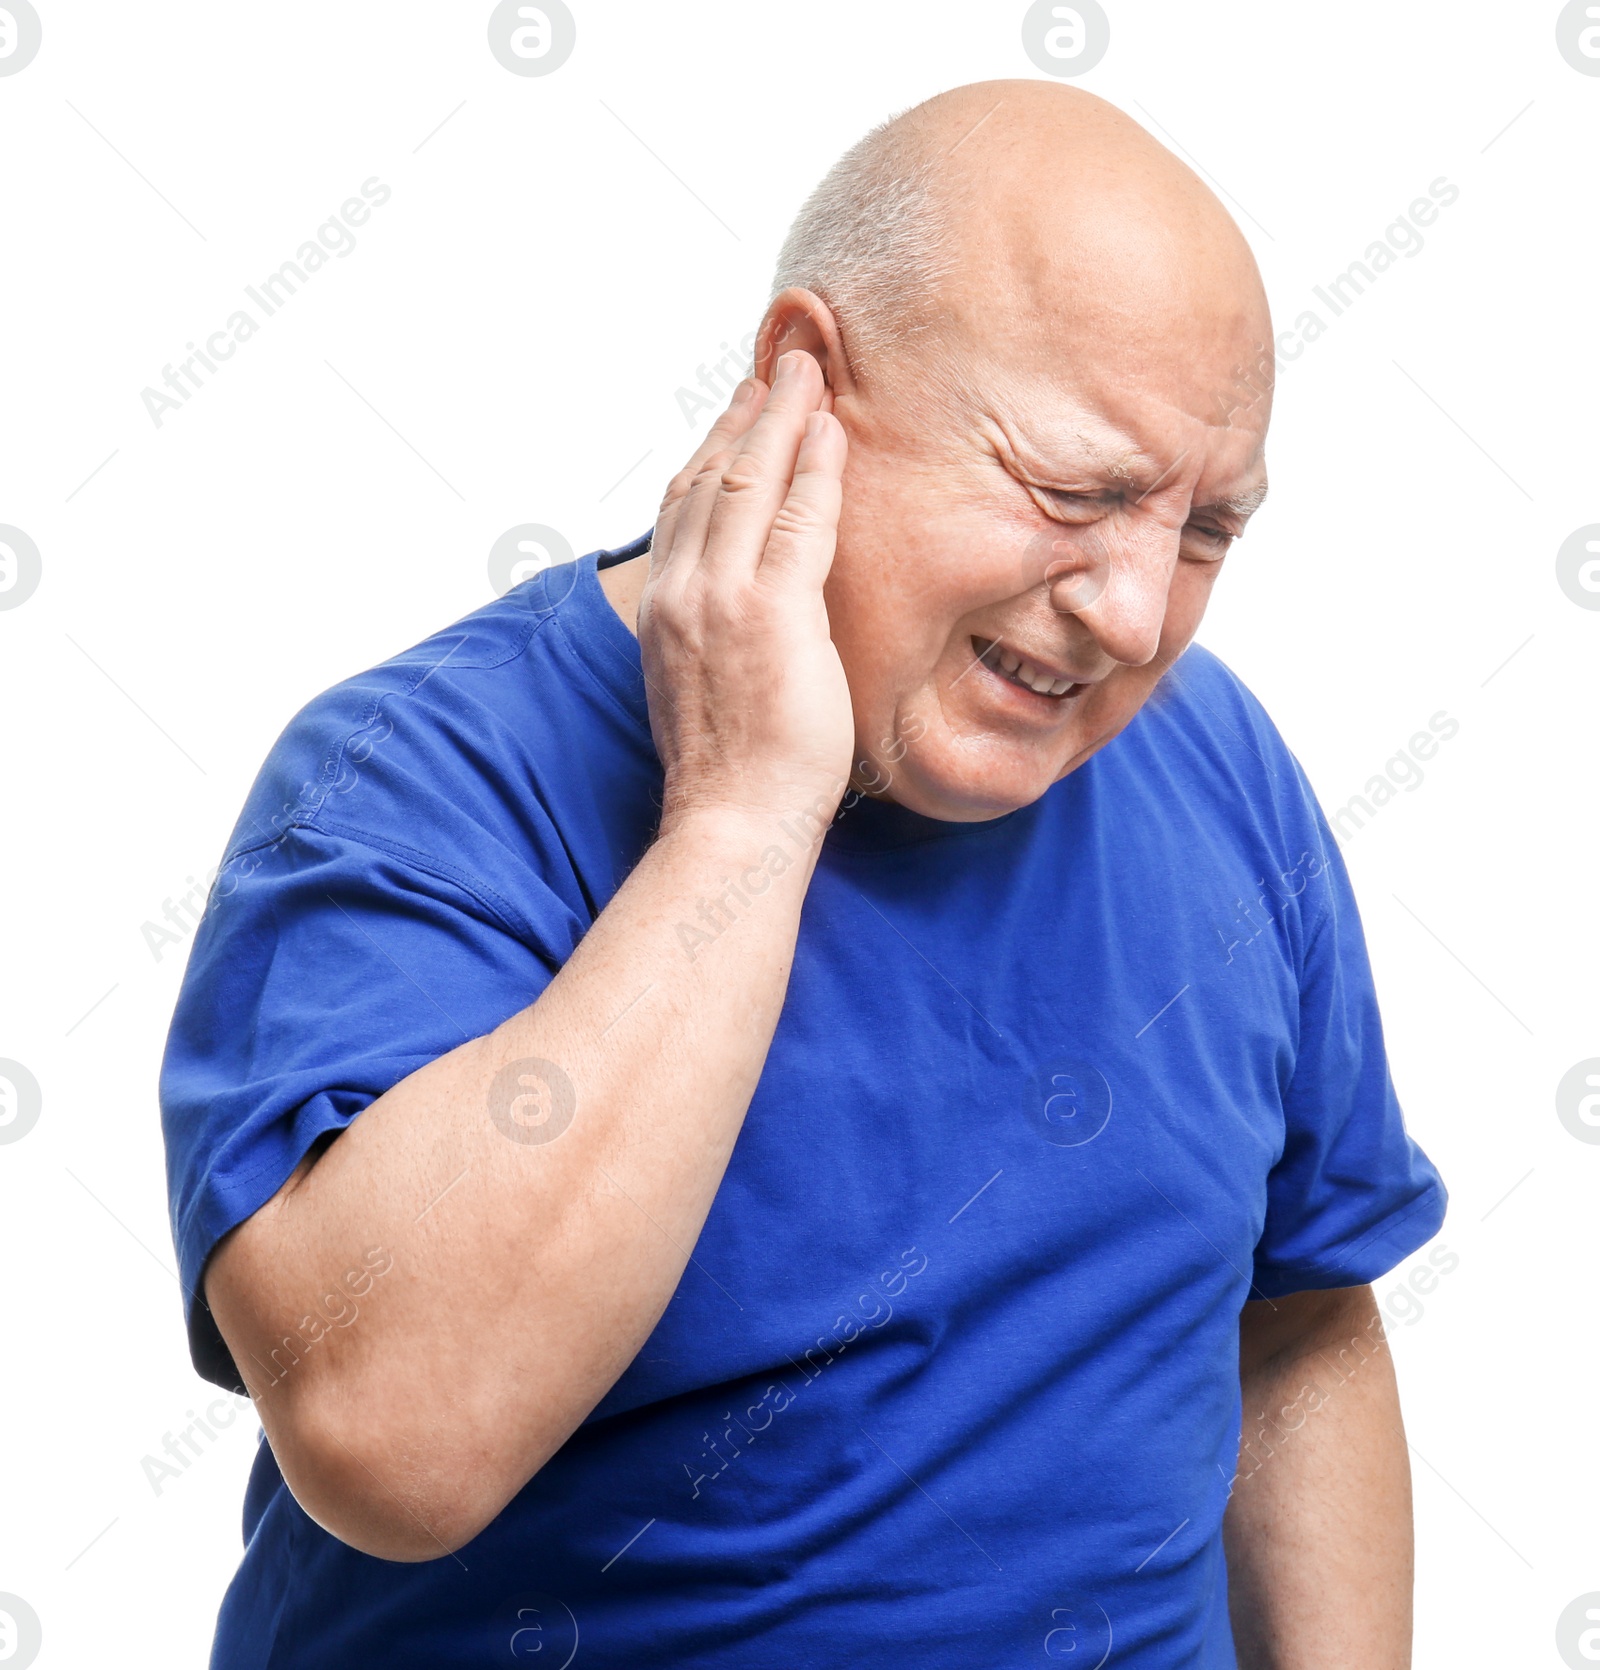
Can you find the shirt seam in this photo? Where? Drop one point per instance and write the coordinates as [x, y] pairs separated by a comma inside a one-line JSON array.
[[333, 764], [603, 685], [1342, 1257], [501, 909]]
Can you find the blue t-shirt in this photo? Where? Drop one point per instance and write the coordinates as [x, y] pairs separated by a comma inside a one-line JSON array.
[[951, 1380]]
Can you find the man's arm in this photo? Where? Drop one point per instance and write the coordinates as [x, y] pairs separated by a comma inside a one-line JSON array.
[[1318, 1530], [528, 1274]]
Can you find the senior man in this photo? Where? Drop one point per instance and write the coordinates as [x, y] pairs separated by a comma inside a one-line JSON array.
[[763, 1099]]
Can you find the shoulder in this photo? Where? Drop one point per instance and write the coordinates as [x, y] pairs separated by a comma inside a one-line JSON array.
[[449, 743], [381, 720], [1203, 709], [1203, 696], [1206, 730]]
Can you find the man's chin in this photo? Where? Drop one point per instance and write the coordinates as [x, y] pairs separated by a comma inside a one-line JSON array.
[[957, 792]]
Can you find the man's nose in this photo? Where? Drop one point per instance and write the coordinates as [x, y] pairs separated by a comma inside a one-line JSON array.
[[1127, 615]]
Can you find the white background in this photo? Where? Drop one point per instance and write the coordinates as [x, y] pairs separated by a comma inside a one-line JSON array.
[[522, 312]]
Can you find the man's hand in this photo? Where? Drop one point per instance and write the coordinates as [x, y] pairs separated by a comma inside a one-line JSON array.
[[748, 700], [407, 1434], [1318, 1530]]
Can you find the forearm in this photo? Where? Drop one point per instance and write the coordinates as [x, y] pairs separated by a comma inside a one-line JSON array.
[[1318, 1530], [526, 1273]]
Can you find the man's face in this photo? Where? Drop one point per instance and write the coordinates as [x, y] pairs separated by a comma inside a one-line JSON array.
[[1060, 526]]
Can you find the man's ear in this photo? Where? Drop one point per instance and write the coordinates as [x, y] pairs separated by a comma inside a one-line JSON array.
[[802, 319]]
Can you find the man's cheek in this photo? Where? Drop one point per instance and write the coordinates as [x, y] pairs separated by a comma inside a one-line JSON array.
[[1187, 597], [1116, 699]]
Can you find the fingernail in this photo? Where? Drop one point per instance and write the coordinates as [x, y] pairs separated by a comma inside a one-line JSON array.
[[815, 424], [788, 363], [745, 391]]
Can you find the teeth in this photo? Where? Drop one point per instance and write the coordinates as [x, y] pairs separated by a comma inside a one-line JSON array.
[[1020, 671]]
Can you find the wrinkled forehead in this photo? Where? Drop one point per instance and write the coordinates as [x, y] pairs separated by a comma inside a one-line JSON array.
[[1134, 430]]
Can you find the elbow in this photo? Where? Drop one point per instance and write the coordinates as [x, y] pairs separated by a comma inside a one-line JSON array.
[[385, 1490]]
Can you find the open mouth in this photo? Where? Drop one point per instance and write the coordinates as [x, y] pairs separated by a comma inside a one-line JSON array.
[[1024, 674]]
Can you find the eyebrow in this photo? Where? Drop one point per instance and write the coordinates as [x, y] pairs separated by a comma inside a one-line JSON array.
[[1104, 450], [1124, 463], [1114, 457], [1244, 505]]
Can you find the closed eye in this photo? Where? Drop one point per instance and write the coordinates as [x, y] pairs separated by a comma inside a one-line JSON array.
[[1070, 504], [1207, 544]]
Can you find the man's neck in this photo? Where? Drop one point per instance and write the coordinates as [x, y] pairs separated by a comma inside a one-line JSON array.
[[623, 585]]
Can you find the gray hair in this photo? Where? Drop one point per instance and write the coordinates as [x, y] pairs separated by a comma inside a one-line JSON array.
[[873, 240]]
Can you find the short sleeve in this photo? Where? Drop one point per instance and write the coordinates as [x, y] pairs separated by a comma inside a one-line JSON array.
[[325, 970], [1351, 1195]]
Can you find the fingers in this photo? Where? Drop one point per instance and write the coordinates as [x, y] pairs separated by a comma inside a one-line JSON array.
[[804, 530], [742, 411], [693, 511], [722, 438], [755, 485]]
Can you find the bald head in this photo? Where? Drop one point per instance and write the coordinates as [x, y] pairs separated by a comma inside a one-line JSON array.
[[1018, 219], [1048, 348]]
